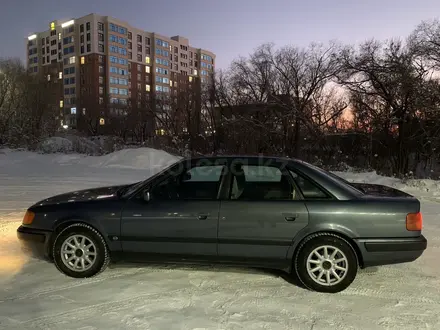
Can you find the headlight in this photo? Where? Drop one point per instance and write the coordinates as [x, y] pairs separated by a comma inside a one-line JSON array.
[[28, 218]]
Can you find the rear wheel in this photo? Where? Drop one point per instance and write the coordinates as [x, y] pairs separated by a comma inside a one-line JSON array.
[[80, 251], [326, 263]]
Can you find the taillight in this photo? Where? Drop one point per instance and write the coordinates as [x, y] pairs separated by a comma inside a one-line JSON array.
[[414, 221], [28, 218]]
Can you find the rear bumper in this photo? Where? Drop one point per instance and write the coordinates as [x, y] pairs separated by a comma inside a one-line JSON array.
[[34, 242], [387, 251]]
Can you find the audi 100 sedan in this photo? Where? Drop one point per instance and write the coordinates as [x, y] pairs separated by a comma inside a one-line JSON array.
[[270, 212]]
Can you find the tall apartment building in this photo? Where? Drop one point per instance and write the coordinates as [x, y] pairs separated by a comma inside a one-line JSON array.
[[98, 64]]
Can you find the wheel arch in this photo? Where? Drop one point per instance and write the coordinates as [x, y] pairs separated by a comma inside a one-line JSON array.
[[63, 224], [340, 234]]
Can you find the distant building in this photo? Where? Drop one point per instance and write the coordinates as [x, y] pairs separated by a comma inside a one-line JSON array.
[[98, 65]]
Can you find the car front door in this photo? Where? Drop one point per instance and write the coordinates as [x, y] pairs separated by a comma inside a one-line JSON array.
[[179, 217], [263, 214]]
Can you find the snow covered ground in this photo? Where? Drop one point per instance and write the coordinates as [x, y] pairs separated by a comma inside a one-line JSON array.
[[34, 295]]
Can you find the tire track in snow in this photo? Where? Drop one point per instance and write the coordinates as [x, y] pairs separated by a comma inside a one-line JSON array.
[[393, 295], [78, 283], [132, 302]]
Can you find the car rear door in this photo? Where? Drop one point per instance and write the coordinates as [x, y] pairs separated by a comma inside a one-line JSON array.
[[263, 214], [181, 217]]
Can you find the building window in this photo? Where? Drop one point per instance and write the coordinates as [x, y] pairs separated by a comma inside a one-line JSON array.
[[48, 77], [59, 36], [101, 79], [101, 69], [100, 26], [129, 35], [101, 48], [100, 36], [139, 57], [147, 69], [81, 38], [139, 38], [61, 103], [139, 68], [101, 100], [139, 48], [83, 60], [81, 28], [100, 59], [147, 88], [89, 37], [72, 60], [89, 48], [101, 90], [82, 49], [147, 59], [52, 26], [60, 75], [88, 26]]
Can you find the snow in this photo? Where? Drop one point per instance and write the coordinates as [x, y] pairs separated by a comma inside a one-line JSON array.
[[34, 295]]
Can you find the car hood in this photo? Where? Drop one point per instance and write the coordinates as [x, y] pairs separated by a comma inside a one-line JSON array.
[[101, 193], [379, 190]]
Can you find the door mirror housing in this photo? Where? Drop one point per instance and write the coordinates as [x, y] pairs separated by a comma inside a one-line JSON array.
[[146, 195]]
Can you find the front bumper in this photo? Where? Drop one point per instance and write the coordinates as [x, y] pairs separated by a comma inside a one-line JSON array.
[[34, 242], [387, 251]]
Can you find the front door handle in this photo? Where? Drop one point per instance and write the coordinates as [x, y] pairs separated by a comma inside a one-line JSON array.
[[203, 216]]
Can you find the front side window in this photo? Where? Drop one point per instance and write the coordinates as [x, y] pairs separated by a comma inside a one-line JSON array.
[[197, 183]]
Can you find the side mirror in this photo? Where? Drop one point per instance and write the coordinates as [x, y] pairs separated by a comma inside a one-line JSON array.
[[146, 195]]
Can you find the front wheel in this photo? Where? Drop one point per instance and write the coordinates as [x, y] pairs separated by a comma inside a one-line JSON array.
[[326, 263], [80, 251]]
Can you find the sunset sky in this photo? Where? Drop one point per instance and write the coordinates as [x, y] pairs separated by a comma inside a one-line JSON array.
[[227, 27]]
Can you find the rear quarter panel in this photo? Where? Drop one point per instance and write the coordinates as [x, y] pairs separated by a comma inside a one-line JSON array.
[[368, 217]]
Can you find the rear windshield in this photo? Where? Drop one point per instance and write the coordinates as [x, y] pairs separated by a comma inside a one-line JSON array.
[[337, 179]]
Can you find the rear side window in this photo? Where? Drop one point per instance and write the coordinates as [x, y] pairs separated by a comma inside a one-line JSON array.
[[308, 188]]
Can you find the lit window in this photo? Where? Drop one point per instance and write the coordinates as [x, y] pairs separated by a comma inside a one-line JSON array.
[[190, 79], [83, 60], [73, 111], [48, 77], [102, 121], [52, 26], [72, 60], [171, 83], [195, 72], [147, 69], [147, 88], [147, 59], [61, 103], [60, 75], [59, 36]]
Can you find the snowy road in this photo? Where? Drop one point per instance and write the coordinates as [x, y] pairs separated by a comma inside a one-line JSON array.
[[34, 295]]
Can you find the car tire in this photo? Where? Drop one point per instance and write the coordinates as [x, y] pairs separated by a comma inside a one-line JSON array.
[[326, 263], [80, 251]]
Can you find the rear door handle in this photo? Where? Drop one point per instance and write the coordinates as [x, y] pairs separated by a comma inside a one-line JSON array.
[[290, 216], [203, 216]]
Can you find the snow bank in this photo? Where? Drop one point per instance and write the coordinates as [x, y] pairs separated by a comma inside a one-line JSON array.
[[154, 160], [138, 158]]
